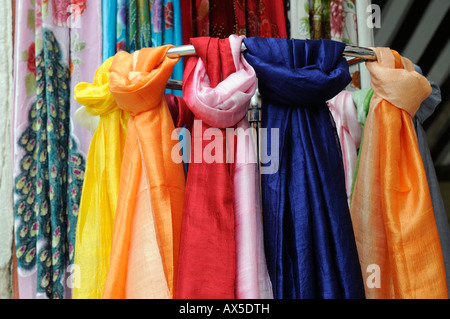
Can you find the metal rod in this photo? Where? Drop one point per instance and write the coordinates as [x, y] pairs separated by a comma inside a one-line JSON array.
[[359, 54], [350, 51]]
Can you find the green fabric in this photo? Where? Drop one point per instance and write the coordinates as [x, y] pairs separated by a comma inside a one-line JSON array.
[[144, 33], [362, 99], [132, 26]]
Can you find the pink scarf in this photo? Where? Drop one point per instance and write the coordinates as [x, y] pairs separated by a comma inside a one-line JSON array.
[[226, 106], [349, 131]]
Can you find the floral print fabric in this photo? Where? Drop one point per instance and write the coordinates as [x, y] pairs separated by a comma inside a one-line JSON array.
[[53, 51]]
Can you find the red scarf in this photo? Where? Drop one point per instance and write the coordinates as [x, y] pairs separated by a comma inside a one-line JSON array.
[[207, 260]]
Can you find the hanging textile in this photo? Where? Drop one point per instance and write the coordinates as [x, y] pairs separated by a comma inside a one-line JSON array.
[[310, 19], [221, 249], [132, 26], [157, 19], [6, 178], [202, 18], [243, 17], [101, 184], [50, 170], [24, 96], [344, 28], [85, 57], [240, 14], [425, 111], [272, 19], [300, 25], [395, 228], [309, 240], [320, 19], [362, 100], [186, 21], [349, 131], [181, 114], [121, 25], [173, 35], [144, 32], [109, 16], [222, 18], [144, 253]]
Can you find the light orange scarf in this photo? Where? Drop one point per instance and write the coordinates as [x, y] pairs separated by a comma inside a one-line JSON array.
[[144, 253], [391, 210]]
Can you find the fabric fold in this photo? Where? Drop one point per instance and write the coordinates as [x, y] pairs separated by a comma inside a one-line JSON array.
[[221, 251], [425, 111], [395, 227], [101, 184], [349, 131], [309, 240], [145, 242]]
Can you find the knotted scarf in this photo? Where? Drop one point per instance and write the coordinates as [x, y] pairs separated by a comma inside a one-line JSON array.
[[221, 250], [101, 184], [349, 131], [392, 213], [309, 240], [425, 111], [144, 254]]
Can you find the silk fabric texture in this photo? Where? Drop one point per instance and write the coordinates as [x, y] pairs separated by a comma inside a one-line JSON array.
[[349, 131], [109, 16], [425, 111], [221, 250], [101, 184], [145, 243], [391, 208], [309, 240]]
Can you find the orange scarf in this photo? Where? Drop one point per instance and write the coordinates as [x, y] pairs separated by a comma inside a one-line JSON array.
[[144, 252], [391, 209]]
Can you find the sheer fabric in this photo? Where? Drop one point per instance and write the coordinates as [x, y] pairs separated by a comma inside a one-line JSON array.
[[144, 254], [392, 213], [101, 184], [222, 253]]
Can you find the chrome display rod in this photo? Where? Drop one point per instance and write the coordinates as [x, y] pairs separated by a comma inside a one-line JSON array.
[[353, 51], [359, 54]]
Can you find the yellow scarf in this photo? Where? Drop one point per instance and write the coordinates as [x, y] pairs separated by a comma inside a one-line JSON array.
[[101, 185]]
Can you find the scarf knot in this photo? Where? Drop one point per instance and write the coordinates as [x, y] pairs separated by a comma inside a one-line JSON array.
[[404, 88], [311, 71], [138, 80], [96, 96], [218, 86]]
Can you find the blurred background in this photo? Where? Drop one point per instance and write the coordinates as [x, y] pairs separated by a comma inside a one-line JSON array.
[[420, 31]]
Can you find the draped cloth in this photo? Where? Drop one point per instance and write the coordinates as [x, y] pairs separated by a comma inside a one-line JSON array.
[[425, 111], [48, 164], [309, 240], [221, 250], [392, 213], [349, 131], [145, 242], [109, 16], [6, 176], [101, 184]]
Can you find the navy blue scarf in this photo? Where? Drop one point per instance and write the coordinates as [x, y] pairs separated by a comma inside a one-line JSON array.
[[310, 245]]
